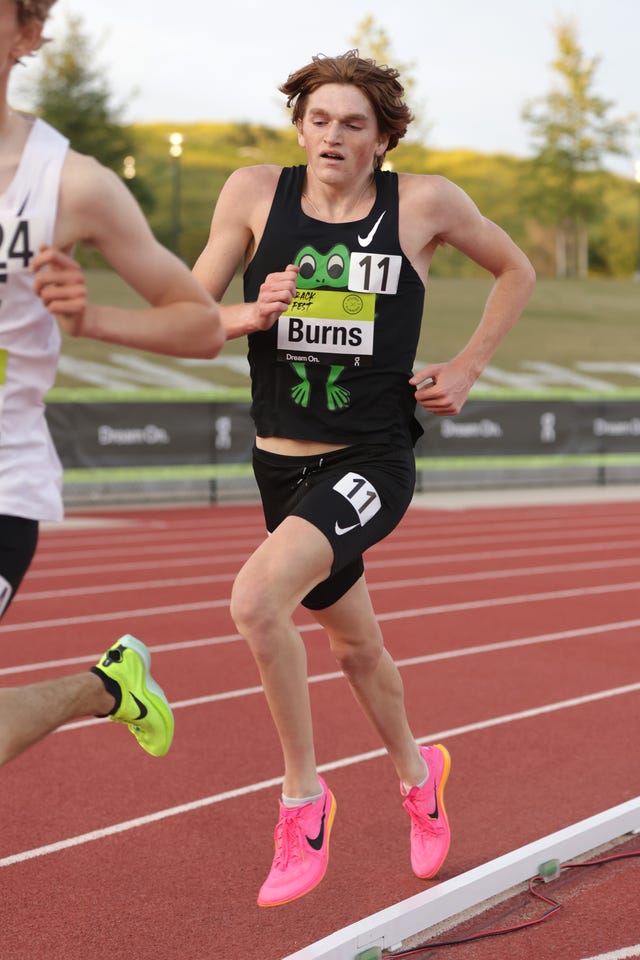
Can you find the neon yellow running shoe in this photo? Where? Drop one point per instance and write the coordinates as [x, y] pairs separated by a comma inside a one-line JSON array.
[[140, 702]]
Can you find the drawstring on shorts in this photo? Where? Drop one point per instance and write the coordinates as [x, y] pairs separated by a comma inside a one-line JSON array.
[[307, 471]]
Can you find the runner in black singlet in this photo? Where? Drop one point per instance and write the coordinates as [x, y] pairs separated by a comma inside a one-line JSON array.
[[336, 254]]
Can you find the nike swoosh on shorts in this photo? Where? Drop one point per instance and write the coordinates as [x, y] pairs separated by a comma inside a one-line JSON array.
[[341, 530]]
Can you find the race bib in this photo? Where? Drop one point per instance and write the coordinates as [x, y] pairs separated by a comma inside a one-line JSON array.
[[328, 327], [361, 494], [20, 240], [374, 272]]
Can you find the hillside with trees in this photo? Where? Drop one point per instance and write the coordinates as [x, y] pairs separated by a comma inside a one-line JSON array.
[[570, 215], [497, 183]]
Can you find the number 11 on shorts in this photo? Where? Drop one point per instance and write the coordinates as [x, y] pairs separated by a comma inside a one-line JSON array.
[[361, 494]]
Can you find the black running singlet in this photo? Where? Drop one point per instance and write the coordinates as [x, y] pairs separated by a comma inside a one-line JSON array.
[[335, 367]]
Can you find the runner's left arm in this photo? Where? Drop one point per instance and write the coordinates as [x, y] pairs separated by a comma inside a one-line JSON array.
[[460, 224]]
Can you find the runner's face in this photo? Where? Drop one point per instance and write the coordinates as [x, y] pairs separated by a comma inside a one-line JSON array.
[[339, 132]]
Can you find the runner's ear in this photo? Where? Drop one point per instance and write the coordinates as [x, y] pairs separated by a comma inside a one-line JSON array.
[[381, 146], [28, 40], [300, 134]]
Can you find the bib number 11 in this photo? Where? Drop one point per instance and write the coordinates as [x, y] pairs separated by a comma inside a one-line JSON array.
[[361, 494]]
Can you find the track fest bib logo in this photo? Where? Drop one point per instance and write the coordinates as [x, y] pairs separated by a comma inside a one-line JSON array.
[[334, 327]]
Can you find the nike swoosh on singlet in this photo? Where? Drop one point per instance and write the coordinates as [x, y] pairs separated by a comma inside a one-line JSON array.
[[365, 241]]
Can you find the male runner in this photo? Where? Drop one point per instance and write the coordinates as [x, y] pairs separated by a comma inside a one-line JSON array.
[[336, 254], [52, 198]]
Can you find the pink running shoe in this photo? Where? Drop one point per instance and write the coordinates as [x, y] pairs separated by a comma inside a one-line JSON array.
[[430, 834], [302, 850]]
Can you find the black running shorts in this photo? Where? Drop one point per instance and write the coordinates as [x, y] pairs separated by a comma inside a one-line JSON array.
[[355, 496], [18, 542]]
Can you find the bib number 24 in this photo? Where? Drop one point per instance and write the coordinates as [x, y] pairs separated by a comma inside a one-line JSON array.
[[17, 245]]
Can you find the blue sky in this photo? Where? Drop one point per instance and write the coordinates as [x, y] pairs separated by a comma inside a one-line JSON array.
[[475, 64]]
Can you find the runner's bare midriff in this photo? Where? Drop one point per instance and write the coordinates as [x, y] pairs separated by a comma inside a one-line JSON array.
[[296, 448]]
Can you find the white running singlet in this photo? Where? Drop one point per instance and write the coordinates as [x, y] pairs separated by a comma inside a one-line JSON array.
[[30, 471]]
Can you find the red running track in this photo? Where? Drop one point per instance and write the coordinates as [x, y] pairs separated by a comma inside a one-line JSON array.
[[516, 632]]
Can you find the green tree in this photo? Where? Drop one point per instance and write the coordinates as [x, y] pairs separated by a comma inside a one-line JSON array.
[[572, 132], [373, 41], [72, 93]]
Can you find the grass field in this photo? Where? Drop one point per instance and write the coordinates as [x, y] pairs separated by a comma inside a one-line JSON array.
[[570, 324]]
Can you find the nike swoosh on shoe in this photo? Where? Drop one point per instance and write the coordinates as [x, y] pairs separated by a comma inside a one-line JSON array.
[[436, 812], [141, 707], [316, 842]]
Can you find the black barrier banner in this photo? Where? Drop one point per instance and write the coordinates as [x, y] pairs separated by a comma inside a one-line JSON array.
[[184, 432], [150, 433], [233, 432], [532, 427], [131, 434]]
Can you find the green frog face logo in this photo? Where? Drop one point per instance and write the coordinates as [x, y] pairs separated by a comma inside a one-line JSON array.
[[323, 270]]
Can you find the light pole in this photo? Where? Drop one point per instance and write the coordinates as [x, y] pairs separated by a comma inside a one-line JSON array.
[[175, 149], [129, 168], [636, 167]]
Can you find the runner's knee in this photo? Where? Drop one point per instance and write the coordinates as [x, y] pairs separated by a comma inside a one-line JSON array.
[[357, 659], [254, 612]]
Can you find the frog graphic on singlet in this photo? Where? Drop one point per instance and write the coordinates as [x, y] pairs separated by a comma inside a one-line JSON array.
[[329, 322]]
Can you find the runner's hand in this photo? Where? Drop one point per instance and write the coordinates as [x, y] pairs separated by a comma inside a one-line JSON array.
[[276, 293], [446, 388], [61, 286]]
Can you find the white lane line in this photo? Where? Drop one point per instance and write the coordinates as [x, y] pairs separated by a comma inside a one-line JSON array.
[[625, 953], [401, 539], [94, 657], [119, 566], [206, 579], [309, 627], [61, 543], [466, 556], [182, 808], [404, 560], [172, 584], [125, 825], [159, 611], [115, 615], [241, 692]]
